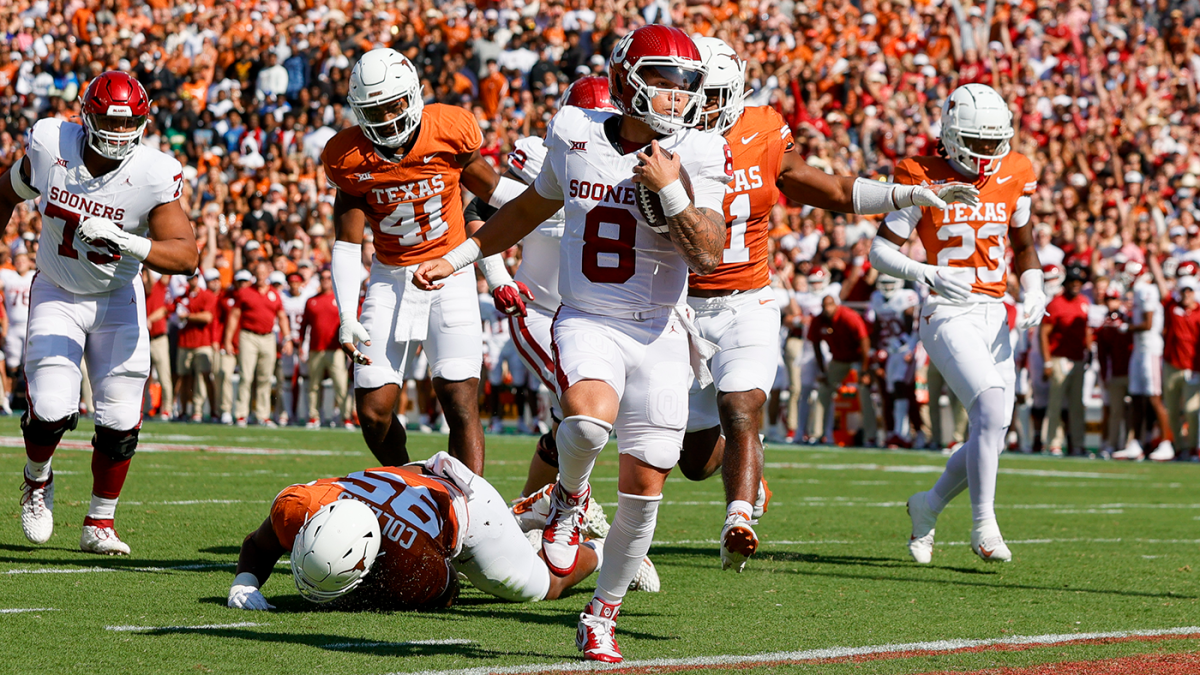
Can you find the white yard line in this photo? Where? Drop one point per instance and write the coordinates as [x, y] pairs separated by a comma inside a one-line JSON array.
[[411, 643], [767, 542], [86, 446], [100, 570], [24, 611], [137, 629]]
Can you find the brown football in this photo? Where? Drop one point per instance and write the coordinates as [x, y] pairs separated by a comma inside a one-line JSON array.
[[650, 205]]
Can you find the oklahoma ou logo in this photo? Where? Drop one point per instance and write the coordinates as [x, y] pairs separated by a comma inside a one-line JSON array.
[[622, 48]]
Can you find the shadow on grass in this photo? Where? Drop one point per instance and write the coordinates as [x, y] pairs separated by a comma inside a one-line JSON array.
[[221, 550]]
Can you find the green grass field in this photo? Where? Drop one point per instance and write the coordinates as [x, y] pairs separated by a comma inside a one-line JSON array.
[[1098, 547]]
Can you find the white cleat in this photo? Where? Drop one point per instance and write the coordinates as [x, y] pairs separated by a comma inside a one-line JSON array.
[[595, 523], [100, 537], [563, 531], [37, 509], [531, 513], [646, 578], [920, 542], [988, 544], [1165, 452], [738, 541], [1133, 452]]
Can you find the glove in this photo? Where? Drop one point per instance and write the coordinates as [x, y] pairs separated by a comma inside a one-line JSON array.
[[947, 283], [248, 597], [510, 298], [351, 332], [937, 196], [104, 233], [1033, 302]]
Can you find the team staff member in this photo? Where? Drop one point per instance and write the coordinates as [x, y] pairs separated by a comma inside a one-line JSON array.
[[1066, 337], [254, 314], [1181, 386], [194, 361], [849, 344], [325, 357], [157, 310], [225, 361], [1114, 347]]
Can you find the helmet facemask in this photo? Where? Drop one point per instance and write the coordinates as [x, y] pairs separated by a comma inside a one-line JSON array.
[[389, 123], [114, 135], [677, 85], [978, 151]]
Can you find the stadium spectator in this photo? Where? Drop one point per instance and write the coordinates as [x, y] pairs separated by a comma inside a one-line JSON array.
[[257, 310], [1114, 345], [157, 310], [325, 357], [845, 333], [1181, 376], [194, 363], [1066, 337]]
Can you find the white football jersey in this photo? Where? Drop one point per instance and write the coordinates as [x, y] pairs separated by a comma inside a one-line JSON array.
[[1147, 300], [293, 306], [540, 248], [16, 294], [888, 315], [69, 195], [610, 261]]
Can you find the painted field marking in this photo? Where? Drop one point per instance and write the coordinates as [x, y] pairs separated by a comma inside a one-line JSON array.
[[23, 611], [892, 651], [86, 446], [767, 541], [410, 643], [99, 570], [211, 626], [938, 468]]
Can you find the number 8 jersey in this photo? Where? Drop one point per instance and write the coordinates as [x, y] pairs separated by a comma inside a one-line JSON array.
[[611, 262], [70, 195], [970, 237]]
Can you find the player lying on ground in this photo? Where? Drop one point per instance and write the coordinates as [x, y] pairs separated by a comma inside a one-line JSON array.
[[403, 533]]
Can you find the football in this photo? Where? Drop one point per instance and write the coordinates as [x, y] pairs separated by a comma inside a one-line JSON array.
[[651, 206]]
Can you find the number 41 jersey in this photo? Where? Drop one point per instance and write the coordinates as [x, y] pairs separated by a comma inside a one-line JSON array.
[[611, 262], [70, 195], [973, 238]]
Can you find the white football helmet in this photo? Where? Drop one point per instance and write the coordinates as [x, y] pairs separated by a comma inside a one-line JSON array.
[[334, 550], [725, 81], [888, 285], [385, 94], [976, 128]]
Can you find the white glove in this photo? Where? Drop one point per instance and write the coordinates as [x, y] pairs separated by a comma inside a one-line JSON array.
[[104, 233], [947, 282], [1033, 300], [352, 332], [247, 597], [936, 196]]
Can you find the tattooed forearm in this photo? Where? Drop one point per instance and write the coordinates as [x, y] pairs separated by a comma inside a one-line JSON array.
[[699, 236]]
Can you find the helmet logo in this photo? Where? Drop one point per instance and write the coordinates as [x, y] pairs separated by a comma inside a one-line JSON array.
[[622, 48]]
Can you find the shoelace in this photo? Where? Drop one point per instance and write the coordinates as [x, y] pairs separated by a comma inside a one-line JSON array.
[[600, 632], [567, 521], [36, 495]]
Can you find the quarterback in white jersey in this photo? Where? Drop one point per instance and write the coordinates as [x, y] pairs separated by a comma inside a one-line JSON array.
[[621, 337], [108, 205], [16, 283]]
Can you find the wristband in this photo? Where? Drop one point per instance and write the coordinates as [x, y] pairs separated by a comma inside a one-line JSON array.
[[494, 272], [137, 247], [464, 254], [245, 579], [674, 198], [872, 196], [506, 190]]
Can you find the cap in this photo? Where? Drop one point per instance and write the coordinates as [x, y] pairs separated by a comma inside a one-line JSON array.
[[294, 277], [305, 263], [1188, 180], [1178, 231], [243, 275], [253, 245], [317, 230], [1133, 176], [1188, 283], [1075, 273], [921, 60], [211, 275], [1113, 292], [276, 277]]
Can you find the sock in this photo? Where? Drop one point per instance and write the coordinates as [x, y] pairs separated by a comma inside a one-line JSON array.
[[739, 506], [608, 610], [952, 481], [580, 439], [108, 476], [596, 545], [37, 471], [627, 543], [988, 425], [101, 511]]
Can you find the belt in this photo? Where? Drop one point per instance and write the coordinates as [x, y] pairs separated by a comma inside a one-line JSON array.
[[713, 292], [247, 330]]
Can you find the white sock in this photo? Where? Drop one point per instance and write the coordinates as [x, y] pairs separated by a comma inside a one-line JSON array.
[[596, 545], [580, 439], [627, 543], [988, 425], [102, 509], [739, 506], [952, 481], [37, 471]]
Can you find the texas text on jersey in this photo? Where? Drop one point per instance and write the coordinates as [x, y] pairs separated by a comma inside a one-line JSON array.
[[70, 195], [414, 205]]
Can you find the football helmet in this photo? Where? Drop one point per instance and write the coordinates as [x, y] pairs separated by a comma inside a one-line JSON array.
[[818, 279], [1128, 271], [888, 285], [655, 60], [385, 95], [589, 92], [334, 550], [976, 128], [1052, 276], [115, 111], [724, 84], [1187, 268]]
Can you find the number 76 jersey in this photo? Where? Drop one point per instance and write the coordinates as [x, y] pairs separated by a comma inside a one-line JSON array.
[[973, 238]]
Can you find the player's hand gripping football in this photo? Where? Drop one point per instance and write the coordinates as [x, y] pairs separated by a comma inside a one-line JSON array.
[[657, 169], [510, 298], [430, 272], [247, 597], [935, 196], [350, 333]]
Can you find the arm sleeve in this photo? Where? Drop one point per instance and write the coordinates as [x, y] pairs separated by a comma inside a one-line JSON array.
[[347, 279], [904, 221], [1020, 217], [478, 210]]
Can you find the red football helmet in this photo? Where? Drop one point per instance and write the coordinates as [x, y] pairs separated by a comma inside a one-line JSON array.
[[654, 60], [115, 110], [1187, 268], [1052, 272], [589, 92]]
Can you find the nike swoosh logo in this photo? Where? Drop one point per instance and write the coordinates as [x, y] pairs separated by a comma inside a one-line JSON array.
[[983, 551], [763, 302], [746, 140], [1002, 181], [429, 157]]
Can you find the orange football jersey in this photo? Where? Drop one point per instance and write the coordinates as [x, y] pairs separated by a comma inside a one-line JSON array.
[[416, 519], [758, 141], [970, 236], [414, 206]]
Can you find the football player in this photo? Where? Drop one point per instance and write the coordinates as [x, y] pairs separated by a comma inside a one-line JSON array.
[[894, 337], [109, 205], [963, 324], [400, 170], [16, 283], [1145, 365], [622, 334], [735, 306], [404, 532]]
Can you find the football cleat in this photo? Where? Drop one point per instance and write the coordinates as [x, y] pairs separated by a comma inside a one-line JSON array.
[[738, 541], [241, 422], [226, 419], [646, 578], [562, 532], [920, 542], [531, 511], [1133, 451], [1056, 451], [313, 423], [37, 509], [1165, 452], [595, 523], [100, 537], [595, 635], [762, 501], [988, 544]]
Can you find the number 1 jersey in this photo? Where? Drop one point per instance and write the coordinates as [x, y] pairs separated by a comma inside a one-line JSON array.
[[610, 261]]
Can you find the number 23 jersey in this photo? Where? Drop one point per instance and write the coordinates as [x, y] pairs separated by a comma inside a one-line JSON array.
[[611, 262], [70, 195], [970, 237]]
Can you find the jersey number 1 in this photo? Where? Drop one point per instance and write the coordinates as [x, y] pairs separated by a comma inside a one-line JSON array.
[[71, 223]]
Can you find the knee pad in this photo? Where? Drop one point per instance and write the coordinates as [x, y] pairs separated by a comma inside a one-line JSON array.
[[47, 434], [582, 434], [116, 445], [547, 449]]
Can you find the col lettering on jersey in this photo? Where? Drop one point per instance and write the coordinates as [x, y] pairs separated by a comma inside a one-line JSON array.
[[962, 236], [414, 206], [70, 195], [758, 141], [610, 261]]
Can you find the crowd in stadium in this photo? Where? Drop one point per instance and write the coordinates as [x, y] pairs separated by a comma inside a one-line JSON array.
[[246, 94]]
